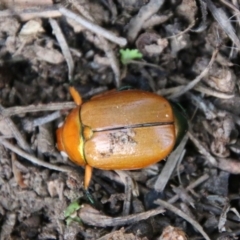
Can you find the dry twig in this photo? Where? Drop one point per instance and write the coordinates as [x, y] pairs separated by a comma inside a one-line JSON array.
[[197, 79], [190, 187], [225, 164], [27, 14], [199, 88], [16, 172], [93, 217], [105, 45], [113, 60], [169, 167], [33, 159], [93, 27], [202, 149], [223, 20], [64, 47], [16, 133], [26, 3], [180, 213], [35, 108], [29, 125], [144, 14]]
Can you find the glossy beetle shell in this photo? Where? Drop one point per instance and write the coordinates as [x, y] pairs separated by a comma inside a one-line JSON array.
[[120, 130]]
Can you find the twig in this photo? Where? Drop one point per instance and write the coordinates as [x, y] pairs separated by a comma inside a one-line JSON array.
[[26, 3], [111, 55], [198, 78], [64, 47], [199, 88], [222, 19], [30, 124], [145, 64], [95, 91], [204, 105], [213, 93], [28, 14], [16, 172], [33, 159], [16, 133], [229, 165], [177, 211], [182, 32], [190, 187], [203, 24], [93, 217], [35, 108], [126, 180], [169, 166], [144, 14], [112, 59], [168, 91], [156, 20], [226, 164], [230, 5], [202, 149], [128, 196], [93, 27]]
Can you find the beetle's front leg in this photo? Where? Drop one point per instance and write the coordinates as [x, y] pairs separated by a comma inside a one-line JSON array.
[[75, 95], [87, 179], [88, 176]]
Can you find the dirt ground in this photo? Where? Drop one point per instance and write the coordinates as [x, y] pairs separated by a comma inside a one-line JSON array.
[[186, 51]]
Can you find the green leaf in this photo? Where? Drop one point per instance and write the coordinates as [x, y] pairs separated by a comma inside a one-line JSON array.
[[129, 54], [69, 220], [72, 208]]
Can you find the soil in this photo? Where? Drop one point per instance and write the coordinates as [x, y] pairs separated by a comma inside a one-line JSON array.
[[185, 51]]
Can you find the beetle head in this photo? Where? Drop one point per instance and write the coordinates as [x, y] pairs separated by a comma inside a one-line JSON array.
[[69, 138]]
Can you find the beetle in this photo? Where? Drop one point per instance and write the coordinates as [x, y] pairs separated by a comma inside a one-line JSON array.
[[122, 130]]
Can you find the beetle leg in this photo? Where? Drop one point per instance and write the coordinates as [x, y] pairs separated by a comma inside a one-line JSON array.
[[88, 176], [75, 95]]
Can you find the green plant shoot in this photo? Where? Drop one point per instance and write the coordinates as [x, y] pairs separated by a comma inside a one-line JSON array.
[[129, 54]]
